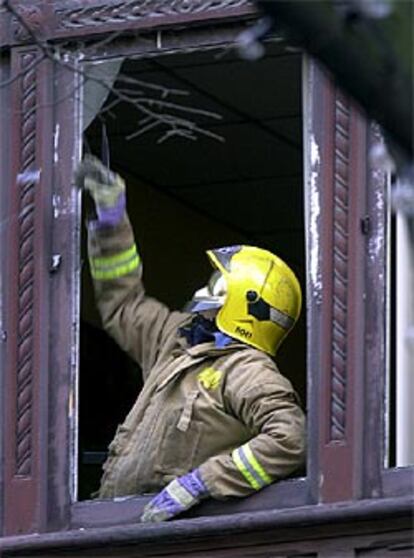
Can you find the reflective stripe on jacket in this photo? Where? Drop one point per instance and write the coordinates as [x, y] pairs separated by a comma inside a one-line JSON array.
[[226, 410]]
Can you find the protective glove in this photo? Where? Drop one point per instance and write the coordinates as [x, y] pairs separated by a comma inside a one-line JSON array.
[[179, 495], [106, 188]]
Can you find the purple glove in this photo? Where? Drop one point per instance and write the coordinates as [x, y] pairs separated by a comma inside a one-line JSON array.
[[106, 188], [179, 495], [109, 216]]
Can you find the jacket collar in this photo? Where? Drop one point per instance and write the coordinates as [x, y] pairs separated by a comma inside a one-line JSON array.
[[209, 349]]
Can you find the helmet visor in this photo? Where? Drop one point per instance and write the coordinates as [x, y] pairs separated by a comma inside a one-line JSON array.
[[210, 297]]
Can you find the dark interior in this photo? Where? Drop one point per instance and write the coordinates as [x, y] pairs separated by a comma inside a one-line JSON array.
[[185, 196]]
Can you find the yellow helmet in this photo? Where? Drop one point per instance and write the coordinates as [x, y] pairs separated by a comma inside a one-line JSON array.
[[262, 299]]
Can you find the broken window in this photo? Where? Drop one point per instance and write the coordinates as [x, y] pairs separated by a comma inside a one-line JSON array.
[[235, 177]]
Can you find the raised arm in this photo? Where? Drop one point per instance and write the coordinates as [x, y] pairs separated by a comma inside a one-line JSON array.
[[136, 321]]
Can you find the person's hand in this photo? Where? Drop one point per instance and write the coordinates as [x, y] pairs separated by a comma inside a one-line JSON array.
[[106, 188], [179, 495]]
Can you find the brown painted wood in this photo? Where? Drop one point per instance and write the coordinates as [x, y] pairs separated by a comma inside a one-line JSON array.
[[306, 529], [27, 296], [283, 495], [5, 151], [110, 16], [63, 337], [339, 141], [74, 19], [63, 340], [375, 332], [312, 185], [39, 382], [380, 481], [154, 43], [397, 482]]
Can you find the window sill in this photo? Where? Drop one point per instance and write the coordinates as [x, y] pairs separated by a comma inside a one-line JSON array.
[[101, 513], [272, 527], [398, 481]]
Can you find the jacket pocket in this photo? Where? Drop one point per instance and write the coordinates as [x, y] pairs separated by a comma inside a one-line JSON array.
[[180, 442]]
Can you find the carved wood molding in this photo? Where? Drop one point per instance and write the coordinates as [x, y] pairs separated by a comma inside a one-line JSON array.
[[32, 15], [71, 18], [137, 10], [25, 277], [337, 423]]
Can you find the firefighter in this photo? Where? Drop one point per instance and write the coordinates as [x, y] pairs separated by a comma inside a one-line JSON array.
[[215, 417]]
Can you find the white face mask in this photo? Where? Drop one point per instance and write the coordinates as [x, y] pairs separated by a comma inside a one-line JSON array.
[[210, 297]]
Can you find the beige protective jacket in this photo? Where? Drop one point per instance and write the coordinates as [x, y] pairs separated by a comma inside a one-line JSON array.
[[227, 410]]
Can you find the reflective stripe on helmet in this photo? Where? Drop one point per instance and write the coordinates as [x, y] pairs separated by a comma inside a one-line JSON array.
[[263, 297], [281, 319], [118, 265], [250, 468], [261, 310]]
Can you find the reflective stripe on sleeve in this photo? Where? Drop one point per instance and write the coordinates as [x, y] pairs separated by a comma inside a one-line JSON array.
[[118, 265], [250, 468]]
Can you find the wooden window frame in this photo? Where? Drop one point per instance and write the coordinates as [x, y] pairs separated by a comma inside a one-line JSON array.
[[345, 290], [380, 481]]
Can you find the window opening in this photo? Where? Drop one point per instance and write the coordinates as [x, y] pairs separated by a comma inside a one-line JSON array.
[[390, 442], [400, 450], [186, 195]]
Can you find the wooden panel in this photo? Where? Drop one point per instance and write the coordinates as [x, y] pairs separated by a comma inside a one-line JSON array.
[[64, 300], [337, 146], [397, 548], [71, 18], [26, 366], [5, 100], [375, 224], [398, 481], [99, 513], [325, 531], [342, 434]]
